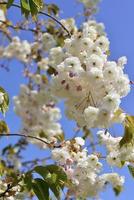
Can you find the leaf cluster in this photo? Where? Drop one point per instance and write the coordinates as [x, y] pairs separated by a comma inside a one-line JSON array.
[[50, 180], [28, 6]]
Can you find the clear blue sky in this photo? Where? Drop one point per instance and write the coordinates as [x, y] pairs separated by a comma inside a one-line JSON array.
[[118, 17]]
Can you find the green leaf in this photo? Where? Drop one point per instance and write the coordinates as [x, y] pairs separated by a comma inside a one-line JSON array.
[[42, 171], [3, 127], [60, 137], [131, 170], [25, 4], [5, 103], [9, 3], [54, 176], [40, 189], [28, 6], [33, 8], [28, 180], [52, 9], [38, 3], [61, 175], [25, 9], [117, 190], [56, 190], [122, 163], [128, 137]]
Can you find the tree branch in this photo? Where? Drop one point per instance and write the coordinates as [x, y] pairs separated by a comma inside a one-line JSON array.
[[6, 34], [18, 27], [50, 145], [27, 136], [45, 14]]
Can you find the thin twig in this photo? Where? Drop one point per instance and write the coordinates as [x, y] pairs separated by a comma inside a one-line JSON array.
[[18, 27], [50, 145], [57, 21], [6, 34], [46, 14], [27, 136]]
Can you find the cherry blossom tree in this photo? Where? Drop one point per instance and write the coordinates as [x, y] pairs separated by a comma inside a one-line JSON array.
[[69, 63]]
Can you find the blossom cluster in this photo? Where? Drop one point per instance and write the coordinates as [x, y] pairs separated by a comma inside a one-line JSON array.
[[91, 85], [116, 155], [83, 170], [38, 113], [90, 3], [12, 191], [25, 51], [16, 49]]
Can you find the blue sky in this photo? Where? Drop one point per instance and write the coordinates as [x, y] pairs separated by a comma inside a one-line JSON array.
[[117, 15]]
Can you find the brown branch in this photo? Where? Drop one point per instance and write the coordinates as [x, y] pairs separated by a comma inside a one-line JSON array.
[[57, 21], [6, 34], [45, 14], [18, 27], [50, 145], [27, 136]]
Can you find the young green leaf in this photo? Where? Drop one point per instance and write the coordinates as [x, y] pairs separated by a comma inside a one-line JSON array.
[[131, 170], [61, 175], [25, 9], [54, 176], [4, 103], [117, 190], [25, 5], [34, 9], [28, 180], [3, 127], [42, 171], [38, 3], [31, 7], [40, 189], [128, 137], [52, 9]]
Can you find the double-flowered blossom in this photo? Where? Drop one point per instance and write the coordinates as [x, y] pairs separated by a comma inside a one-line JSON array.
[[116, 155], [91, 85], [23, 50], [17, 49], [38, 113], [83, 170], [48, 41]]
